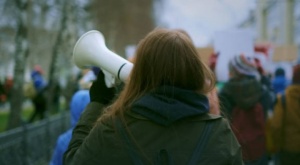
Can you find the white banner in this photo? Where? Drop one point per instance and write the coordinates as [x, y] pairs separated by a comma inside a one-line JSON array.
[[228, 44]]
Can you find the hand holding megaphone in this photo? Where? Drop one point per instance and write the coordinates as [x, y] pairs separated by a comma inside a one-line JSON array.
[[90, 50]]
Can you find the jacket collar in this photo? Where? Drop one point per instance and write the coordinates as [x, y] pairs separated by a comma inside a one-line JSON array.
[[167, 104]]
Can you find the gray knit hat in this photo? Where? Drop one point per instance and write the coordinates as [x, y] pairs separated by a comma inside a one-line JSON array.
[[243, 65]]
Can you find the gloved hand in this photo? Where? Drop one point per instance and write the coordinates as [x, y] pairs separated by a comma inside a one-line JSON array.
[[99, 92]]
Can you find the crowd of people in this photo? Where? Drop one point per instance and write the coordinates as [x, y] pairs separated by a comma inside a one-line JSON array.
[[171, 111], [147, 122]]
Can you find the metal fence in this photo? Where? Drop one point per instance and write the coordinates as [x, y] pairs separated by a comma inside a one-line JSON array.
[[32, 144]]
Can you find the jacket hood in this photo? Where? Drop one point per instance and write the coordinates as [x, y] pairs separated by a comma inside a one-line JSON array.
[[279, 84], [167, 104], [244, 92], [78, 103]]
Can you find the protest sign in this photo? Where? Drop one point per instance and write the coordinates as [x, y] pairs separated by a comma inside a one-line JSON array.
[[229, 44]]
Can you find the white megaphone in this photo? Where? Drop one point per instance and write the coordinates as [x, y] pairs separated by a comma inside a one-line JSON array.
[[90, 50]]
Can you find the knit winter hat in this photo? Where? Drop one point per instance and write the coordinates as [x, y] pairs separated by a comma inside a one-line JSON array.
[[296, 74], [243, 65]]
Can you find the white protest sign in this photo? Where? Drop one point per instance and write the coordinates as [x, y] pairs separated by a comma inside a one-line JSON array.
[[229, 44]]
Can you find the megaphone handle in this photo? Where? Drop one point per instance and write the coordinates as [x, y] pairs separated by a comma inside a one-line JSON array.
[[120, 70]]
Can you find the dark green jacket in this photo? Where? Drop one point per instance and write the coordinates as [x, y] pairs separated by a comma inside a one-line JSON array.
[[152, 142]]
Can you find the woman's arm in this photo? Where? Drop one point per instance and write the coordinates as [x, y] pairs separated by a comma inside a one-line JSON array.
[[82, 131], [84, 140]]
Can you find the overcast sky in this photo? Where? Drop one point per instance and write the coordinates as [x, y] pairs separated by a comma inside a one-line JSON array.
[[202, 18]]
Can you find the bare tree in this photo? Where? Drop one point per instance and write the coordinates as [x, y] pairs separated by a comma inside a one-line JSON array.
[[62, 48], [78, 22], [55, 52], [21, 53]]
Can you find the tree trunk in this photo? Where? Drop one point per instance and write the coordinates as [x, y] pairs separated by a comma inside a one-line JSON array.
[[132, 21], [53, 79], [21, 53]]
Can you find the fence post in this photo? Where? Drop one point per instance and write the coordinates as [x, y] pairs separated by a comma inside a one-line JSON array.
[[25, 155], [62, 120], [65, 121], [48, 139]]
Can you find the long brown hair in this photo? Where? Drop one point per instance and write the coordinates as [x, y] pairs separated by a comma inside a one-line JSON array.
[[163, 57]]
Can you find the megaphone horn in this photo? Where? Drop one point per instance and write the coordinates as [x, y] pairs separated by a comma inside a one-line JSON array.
[[90, 50]]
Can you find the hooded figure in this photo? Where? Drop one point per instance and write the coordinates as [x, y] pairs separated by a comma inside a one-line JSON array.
[[38, 79], [285, 123], [38, 98], [243, 89], [245, 101], [279, 82], [78, 103]]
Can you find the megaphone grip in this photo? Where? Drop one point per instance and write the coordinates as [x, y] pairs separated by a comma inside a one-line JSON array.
[[120, 70]]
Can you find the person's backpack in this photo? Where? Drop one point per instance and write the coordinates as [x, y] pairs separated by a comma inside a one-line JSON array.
[[249, 128], [163, 157]]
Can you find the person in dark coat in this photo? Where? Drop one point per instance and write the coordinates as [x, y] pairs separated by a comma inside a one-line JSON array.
[[2, 94], [162, 116], [245, 94], [39, 100]]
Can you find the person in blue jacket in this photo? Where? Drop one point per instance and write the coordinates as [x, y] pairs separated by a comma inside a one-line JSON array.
[[39, 99], [78, 103], [279, 83]]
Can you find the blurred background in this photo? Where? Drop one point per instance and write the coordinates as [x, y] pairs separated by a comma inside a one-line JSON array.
[[40, 36]]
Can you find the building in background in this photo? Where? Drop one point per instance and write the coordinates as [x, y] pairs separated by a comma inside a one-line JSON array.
[[276, 23], [269, 21]]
